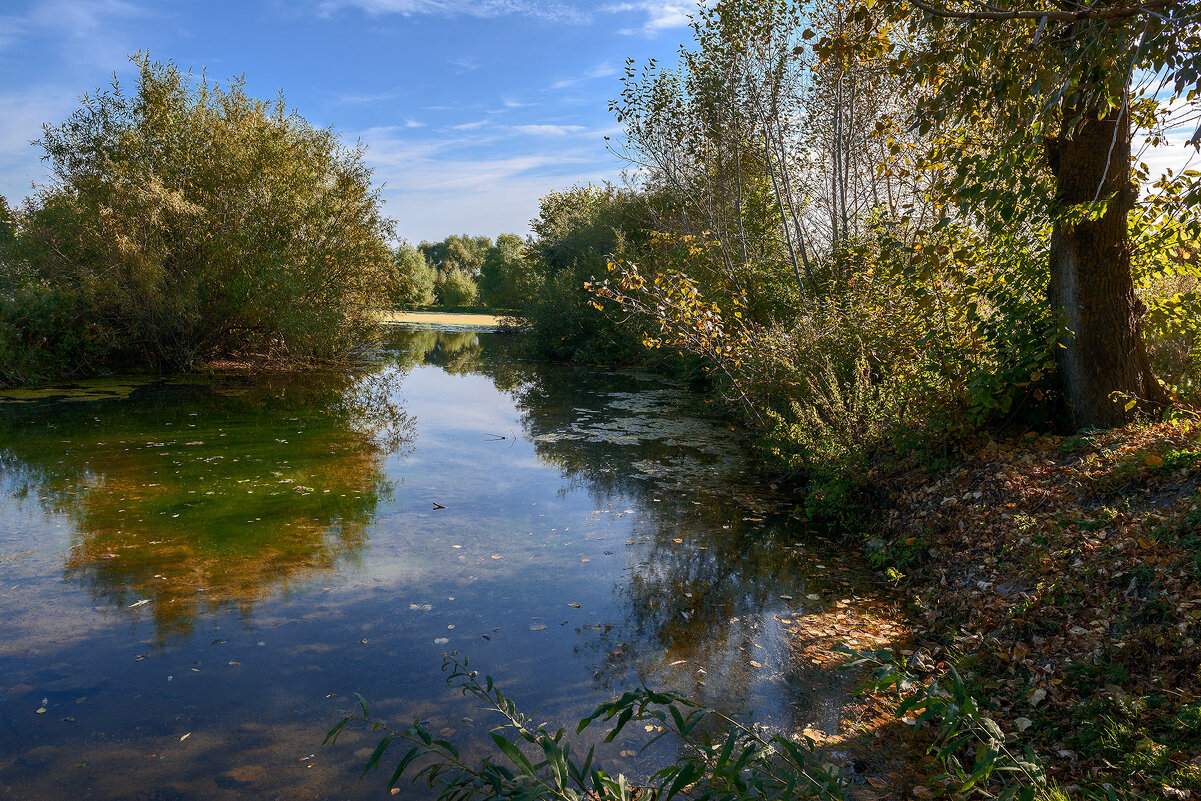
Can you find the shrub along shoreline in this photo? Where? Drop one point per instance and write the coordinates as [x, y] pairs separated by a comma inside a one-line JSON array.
[[188, 223]]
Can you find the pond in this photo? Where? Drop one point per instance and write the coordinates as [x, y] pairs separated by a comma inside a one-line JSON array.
[[197, 575]]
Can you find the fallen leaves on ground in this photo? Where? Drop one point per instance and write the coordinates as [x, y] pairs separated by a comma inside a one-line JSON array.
[[1065, 574]]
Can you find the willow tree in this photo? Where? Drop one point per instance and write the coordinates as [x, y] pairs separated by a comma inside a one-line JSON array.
[[192, 221], [1045, 100]]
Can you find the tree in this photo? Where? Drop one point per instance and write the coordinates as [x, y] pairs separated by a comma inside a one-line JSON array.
[[505, 276], [8, 244], [413, 278], [457, 252], [576, 233], [717, 135], [191, 221], [458, 289], [1045, 100]]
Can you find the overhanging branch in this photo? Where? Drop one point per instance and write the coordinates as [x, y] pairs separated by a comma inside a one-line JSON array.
[[1056, 15]]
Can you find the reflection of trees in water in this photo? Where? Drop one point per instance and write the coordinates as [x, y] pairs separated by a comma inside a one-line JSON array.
[[499, 356], [209, 496], [701, 579]]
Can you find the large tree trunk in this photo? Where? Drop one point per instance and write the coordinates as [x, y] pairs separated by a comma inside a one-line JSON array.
[[1091, 284]]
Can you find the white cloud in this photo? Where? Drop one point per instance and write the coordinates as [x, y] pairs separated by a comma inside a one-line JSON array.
[[359, 99], [548, 130], [490, 209], [1175, 154], [464, 63], [661, 15], [84, 30], [469, 126]]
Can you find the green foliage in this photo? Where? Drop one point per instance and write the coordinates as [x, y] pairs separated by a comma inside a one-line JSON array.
[[971, 745], [507, 277], [457, 260], [189, 222], [909, 349], [457, 252], [713, 136], [1027, 112], [741, 764], [1143, 736], [457, 288], [1168, 272], [42, 336], [576, 232], [412, 279], [8, 238]]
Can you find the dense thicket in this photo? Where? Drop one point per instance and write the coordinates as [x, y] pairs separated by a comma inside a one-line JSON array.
[[188, 221], [857, 238], [576, 234]]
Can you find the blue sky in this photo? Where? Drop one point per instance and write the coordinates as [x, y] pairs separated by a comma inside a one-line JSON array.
[[471, 109]]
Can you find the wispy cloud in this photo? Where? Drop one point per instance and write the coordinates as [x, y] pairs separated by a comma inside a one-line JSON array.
[[24, 113], [464, 63], [548, 130], [438, 185], [599, 71], [469, 126], [362, 99], [544, 10], [85, 29]]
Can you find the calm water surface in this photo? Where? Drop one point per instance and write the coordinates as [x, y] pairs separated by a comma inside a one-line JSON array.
[[195, 577]]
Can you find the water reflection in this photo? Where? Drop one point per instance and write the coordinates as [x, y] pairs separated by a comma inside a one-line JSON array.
[[713, 559], [616, 534], [198, 497]]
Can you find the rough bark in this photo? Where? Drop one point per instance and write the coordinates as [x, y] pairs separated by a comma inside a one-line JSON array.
[[1103, 363]]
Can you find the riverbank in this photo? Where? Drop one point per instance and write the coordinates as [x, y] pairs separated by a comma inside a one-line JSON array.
[[1062, 577], [442, 318]]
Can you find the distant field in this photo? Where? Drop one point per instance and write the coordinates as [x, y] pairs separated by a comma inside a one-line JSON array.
[[441, 318]]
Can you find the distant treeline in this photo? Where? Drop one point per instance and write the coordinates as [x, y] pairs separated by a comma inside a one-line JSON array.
[[458, 271]]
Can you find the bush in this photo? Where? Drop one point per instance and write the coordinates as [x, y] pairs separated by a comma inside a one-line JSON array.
[[192, 222], [905, 348]]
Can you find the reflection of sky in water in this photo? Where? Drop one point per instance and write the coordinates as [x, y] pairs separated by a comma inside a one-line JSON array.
[[231, 561]]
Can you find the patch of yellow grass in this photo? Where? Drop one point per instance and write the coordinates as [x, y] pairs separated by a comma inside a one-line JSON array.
[[440, 318]]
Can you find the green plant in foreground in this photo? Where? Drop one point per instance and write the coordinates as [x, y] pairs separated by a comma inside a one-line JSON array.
[[745, 764], [970, 745]]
